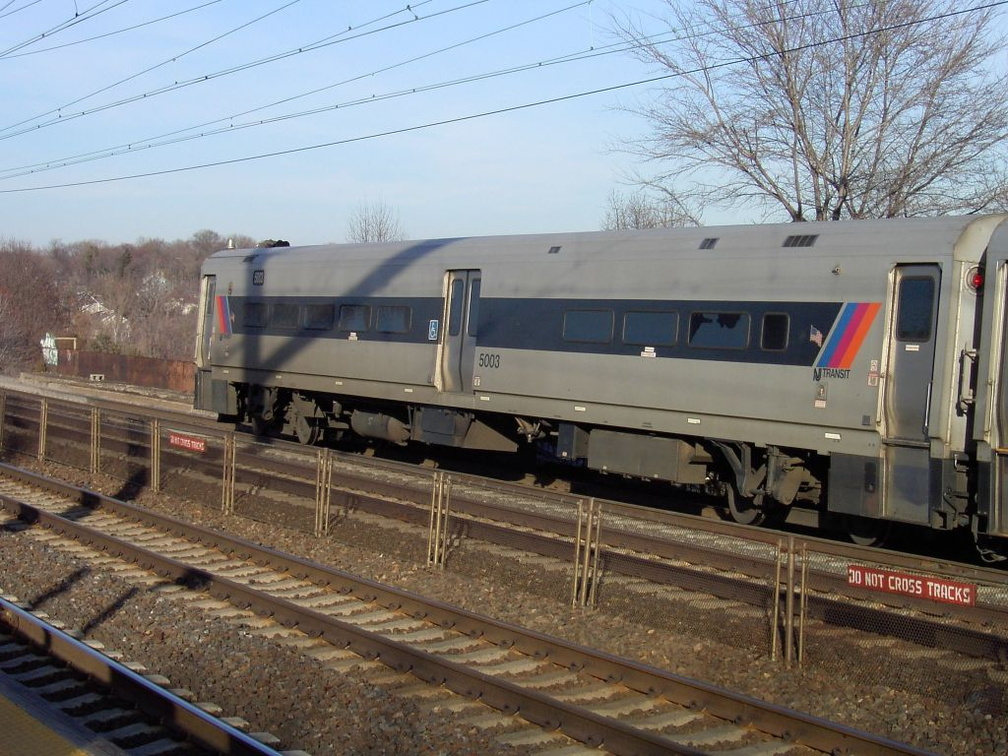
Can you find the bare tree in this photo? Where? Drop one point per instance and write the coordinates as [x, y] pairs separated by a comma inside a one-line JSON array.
[[829, 108], [374, 222], [639, 210], [30, 304]]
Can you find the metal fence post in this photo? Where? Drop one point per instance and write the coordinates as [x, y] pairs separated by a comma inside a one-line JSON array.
[[789, 605], [586, 553], [43, 423], [155, 447], [437, 536], [95, 440], [227, 484], [802, 603], [323, 479], [775, 598]]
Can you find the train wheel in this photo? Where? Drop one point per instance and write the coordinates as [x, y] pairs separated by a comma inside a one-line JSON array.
[[307, 432], [745, 510], [866, 531]]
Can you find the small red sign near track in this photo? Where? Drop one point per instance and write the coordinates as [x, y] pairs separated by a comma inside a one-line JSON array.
[[916, 586], [189, 443]]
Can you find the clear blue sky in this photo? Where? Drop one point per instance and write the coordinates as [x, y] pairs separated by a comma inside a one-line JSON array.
[[73, 88]]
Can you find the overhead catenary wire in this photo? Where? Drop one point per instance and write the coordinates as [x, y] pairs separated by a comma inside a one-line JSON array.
[[204, 130], [60, 118], [79, 17], [114, 33], [508, 109]]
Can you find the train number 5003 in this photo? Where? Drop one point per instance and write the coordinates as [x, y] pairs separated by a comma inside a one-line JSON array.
[[489, 360]]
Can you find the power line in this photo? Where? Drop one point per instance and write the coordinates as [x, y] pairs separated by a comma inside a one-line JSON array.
[[312, 47], [63, 119], [509, 109], [111, 33], [181, 135], [77, 18], [16, 10]]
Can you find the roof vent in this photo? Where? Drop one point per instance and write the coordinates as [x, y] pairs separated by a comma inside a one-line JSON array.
[[801, 240], [553, 251], [709, 243]]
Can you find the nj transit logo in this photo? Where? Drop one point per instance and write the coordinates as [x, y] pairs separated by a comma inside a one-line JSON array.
[[844, 340]]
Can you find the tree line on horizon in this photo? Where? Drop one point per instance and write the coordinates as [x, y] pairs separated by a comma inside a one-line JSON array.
[[799, 110]]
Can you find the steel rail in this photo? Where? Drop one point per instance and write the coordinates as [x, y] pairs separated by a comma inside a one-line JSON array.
[[168, 709], [947, 567], [920, 628], [574, 720]]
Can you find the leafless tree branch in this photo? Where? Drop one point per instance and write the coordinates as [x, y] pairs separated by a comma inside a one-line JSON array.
[[829, 109]]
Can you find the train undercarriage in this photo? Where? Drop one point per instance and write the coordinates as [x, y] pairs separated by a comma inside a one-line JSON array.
[[755, 485]]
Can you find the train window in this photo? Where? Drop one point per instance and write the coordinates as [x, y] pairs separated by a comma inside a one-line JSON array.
[[393, 319], [455, 299], [916, 307], [474, 298], [254, 314], [774, 337], [592, 326], [719, 330], [319, 317], [284, 315], [354, 317], [650, 328]]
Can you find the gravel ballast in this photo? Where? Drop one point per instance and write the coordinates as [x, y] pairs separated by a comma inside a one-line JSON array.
[[959, 709], [307, 706]]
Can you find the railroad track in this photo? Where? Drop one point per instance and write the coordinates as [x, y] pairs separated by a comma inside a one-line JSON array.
[[552, 686], [716, 558], [126, 710]]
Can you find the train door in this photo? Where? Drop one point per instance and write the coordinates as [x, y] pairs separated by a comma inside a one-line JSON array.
[[458, 339], [204, 332], [997, 431], [908, 392], [203, 398]]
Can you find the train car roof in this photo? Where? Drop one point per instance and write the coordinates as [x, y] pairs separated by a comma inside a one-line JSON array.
[[808, 239]]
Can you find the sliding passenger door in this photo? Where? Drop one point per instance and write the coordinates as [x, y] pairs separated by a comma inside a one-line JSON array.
[[458, 339], [912, 353], [203, 398], [908, 392], [204, 333]]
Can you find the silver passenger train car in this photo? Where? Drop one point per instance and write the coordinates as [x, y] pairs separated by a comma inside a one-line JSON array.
[[852, 369]]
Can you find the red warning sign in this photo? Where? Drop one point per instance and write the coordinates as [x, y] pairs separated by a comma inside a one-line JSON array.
[[916, 586], [189, 443]]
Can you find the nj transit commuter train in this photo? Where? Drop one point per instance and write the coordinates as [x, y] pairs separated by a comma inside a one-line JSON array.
[[855, 369]]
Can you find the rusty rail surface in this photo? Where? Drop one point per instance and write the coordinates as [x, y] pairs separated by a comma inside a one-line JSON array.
[[577, 721], [629, 551], [171, 711]]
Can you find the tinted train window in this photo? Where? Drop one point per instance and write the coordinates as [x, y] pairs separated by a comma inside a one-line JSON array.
[[719, 330], [593, 326], [319, 317], [916, 305], [650, 328], [254, 314], [285, 315], [474, 298], [775, 332], [354, 317], [455, 307], [393, 319]]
